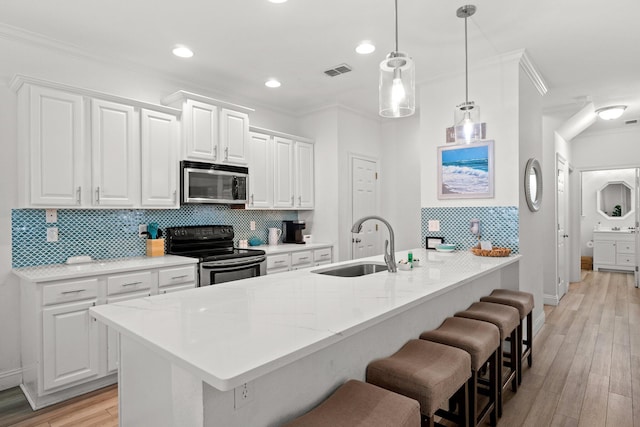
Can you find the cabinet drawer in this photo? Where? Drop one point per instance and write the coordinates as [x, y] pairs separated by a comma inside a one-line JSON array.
[[278, 261], [626, 259], [322, 255], [178, 288], [128, 283], [301, 258], [176, 276], [69, 291], [625, 247]]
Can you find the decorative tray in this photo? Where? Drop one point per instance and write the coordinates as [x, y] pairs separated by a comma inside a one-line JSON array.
[[495, 252]]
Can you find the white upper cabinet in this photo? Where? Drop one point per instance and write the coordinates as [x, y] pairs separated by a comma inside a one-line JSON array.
[[115, 153], [281, 171], [52, 126], [81, 149], [200, 130], [159, 159], [283, 196], [234, 136], [261, 172], [304, 175], [212, 130]]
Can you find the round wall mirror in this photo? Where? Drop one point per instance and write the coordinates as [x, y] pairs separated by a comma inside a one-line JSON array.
[[615, 200], [533, 184]]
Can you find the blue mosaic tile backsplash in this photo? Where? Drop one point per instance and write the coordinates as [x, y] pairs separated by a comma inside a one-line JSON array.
[[498, 224], [110, 233]]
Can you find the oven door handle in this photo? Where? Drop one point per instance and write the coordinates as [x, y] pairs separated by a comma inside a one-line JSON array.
[[235, 267]]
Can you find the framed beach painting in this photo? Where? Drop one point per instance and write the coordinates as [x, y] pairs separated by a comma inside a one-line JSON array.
[[465, 171]]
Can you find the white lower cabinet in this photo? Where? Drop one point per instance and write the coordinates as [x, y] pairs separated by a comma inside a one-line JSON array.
[[69, 343], [614, 251], [294, 259], [65, 351]]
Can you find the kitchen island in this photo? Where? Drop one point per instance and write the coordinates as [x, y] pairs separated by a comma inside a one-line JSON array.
[[261, 351]]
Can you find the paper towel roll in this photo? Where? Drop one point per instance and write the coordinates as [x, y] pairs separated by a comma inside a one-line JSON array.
[[590, 244]]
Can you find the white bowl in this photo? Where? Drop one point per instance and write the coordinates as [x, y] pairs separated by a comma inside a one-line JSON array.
[[402, 266]]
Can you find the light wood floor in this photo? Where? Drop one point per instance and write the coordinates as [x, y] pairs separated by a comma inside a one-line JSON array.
[[586, 368]]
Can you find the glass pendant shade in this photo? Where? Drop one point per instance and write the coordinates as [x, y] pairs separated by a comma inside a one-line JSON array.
[[467, 122], [397, 86]]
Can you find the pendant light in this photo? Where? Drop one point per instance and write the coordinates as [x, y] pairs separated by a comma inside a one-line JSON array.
[[467, 114], [397, 93]]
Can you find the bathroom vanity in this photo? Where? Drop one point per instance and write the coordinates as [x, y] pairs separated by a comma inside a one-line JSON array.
[[614, 250]]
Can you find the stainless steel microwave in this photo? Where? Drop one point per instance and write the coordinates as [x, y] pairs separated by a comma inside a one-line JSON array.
[[213, 183]]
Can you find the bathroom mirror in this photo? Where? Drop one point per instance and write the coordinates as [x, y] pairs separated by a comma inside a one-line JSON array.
[[533, 184], [614, 200]]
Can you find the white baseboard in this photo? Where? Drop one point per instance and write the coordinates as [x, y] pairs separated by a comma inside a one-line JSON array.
[[550, 299], [11, 378], [538, 322]]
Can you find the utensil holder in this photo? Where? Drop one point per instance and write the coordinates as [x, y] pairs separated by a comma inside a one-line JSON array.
[[155, 247]]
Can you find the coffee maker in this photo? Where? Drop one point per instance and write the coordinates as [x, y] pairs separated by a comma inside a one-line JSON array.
[[292, 231]]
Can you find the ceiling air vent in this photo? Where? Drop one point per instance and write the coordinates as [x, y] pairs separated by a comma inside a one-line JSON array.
[[631, 122], [337, 70]]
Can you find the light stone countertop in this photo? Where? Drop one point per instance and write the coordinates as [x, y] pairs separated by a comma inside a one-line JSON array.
[[235, 332], [51, 272]]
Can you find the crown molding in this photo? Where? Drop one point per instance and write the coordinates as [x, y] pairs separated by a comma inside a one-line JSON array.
[[532, 72]]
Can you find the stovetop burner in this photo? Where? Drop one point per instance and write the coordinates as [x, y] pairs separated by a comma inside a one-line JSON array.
[[206, 242]]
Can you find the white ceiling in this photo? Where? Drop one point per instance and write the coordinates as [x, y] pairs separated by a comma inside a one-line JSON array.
[[583, 50]]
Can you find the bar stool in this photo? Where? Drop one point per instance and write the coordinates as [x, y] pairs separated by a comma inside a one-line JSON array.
[[523, 301], [482, 341], [356, 403], [507, 319], [430, 373]]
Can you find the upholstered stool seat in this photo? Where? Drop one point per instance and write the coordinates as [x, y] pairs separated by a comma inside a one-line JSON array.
[[428, 372], [507, 319], [523, 301], [482, 341], [360, 404]]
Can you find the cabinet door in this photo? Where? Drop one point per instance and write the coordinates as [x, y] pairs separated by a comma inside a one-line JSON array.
[[70, 344], [159, 159], [604, 252], [115, 154], [200, 123], [304, 174], [260, 180], [283, 173], [234, 136], [55, 130]]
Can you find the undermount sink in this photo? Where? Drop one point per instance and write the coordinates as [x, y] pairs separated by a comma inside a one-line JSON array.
[[353, 270]]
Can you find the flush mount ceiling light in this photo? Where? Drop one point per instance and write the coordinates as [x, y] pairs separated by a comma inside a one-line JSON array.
[[467, 114], [397, 93], [611, 113], [272, 83], [365, 48], [182, 52]]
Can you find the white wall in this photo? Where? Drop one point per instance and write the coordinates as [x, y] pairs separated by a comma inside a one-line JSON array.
[[494, 87], [607, 149], [401, 185], [49, 64]]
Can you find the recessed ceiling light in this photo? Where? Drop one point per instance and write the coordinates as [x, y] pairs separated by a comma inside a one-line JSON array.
[[273, 83], [365, 48], [611, 113], [277, 1], [182, 52]]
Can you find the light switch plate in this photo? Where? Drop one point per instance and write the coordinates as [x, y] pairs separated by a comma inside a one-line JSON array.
[[142, 228], [52, 216], [434, 225], [52, 234]]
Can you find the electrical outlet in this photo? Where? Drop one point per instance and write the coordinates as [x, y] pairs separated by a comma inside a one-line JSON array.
[[434, 225], [52, 216], [52, 234], [142, 228], [243, 394], [252, 225]]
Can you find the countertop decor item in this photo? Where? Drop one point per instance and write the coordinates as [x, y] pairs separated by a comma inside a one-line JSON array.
[[446, 247], [254, 241], [494, 252], [432, 242]]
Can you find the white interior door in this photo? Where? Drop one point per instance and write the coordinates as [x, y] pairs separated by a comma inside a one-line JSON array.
[[364, 196], [561, 169], [637, 190]]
